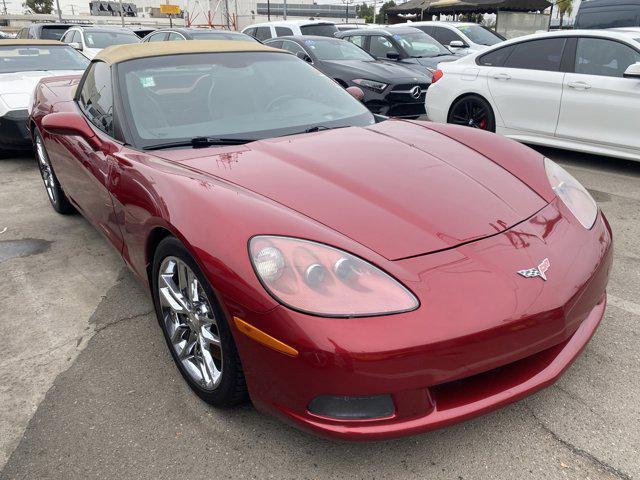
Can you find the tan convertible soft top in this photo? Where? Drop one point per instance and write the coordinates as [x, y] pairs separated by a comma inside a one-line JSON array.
[[122, 53], [27, 42]]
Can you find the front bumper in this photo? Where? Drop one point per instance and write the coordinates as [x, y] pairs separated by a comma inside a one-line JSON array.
[[483, 336], [397, 101], [14, 131]]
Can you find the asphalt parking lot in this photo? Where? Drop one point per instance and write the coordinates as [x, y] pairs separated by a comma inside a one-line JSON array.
[[88, 388]]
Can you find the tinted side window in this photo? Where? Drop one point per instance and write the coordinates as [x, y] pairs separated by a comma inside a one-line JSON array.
[[263, 33], [96, 97], [274, 43], [356, 40], [445, 36], [597, 56], [380, 46], [283, 31], [606, 18], [495, 58], [174, 37], [157, 37], [537, 55], [250, 31], [293, 47]]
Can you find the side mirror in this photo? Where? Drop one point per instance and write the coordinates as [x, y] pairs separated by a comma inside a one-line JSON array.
[[71, 124], [356, 92], [304, 56], [458, 44], [633, 71], [393, 55], [76, 45]]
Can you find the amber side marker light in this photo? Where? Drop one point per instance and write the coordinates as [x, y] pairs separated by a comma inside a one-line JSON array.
[[263, 338]]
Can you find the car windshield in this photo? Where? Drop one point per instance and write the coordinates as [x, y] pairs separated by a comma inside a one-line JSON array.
[[53, 32], [419, 44], [104, 38], [216, 35], [480, 35], [336, 49], [29, 58], [240, 95], [319, 29]]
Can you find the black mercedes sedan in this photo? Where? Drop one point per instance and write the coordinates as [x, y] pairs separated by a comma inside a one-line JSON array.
[[389, 89], [406, 46]]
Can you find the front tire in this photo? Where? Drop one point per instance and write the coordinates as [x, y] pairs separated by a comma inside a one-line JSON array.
[[56, 195], [473, 111], [195, 327]]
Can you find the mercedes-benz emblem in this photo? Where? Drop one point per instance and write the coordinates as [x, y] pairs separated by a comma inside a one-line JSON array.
[[415, 92]]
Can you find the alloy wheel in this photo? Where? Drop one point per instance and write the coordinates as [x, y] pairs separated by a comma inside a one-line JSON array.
[[45, 169], [190, 323], [470, 113]]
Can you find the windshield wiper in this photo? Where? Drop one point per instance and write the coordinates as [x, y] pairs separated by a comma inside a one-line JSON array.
[[319, 128], [200, 142]]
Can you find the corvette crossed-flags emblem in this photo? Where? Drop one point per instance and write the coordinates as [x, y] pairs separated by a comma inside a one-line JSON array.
[[539, 271]]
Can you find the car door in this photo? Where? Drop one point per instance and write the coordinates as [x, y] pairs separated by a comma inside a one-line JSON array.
[[85, 176], [527, 89], [599, 105]]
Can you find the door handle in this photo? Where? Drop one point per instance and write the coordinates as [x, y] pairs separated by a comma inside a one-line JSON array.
[[579, 85], [502, 76]]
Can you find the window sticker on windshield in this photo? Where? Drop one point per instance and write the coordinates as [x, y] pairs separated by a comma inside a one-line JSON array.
[[147, 82], [397, 37], [310, 42]]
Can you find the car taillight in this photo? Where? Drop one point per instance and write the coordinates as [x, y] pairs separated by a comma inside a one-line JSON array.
[[437, 76]]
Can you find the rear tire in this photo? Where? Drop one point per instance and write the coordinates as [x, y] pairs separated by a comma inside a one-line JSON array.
[[56, 195], [472, 111], [195, 327]]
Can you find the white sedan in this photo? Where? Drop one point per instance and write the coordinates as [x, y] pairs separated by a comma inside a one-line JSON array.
[[577, 90], [23, 63]]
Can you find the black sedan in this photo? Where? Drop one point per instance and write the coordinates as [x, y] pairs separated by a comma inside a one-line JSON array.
[[178, 34], [390, 89], [405, 45]]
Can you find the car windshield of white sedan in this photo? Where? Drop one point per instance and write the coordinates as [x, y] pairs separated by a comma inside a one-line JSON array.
[[240, 95], [33, 58], [420, 44], [336, 49], [480, 35], [104, 39]]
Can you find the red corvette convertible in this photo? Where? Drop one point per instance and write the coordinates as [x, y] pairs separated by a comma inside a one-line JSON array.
[[359, 277]]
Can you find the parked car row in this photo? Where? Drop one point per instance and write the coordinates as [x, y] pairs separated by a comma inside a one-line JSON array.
[[359, 277]]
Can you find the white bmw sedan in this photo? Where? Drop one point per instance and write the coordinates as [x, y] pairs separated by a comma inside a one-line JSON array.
[[577, 90]]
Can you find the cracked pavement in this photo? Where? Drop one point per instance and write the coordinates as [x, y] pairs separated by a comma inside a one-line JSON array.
[[88, 388]]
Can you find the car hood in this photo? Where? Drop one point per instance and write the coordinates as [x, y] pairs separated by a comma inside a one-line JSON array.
[[396, 187], [377, 70], [17, 88]]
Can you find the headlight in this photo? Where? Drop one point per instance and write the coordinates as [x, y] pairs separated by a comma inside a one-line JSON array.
[[322, 280], [572, 193], [371, 84]]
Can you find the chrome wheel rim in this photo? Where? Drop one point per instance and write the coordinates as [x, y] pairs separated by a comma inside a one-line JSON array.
[[190, 323], [45, 169]]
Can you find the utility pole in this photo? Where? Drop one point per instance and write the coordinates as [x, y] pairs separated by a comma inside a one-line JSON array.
[[374, 11], [59, 11], [4, 5], [227, 14], [284, 12], [268, 10], [121, 13]]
